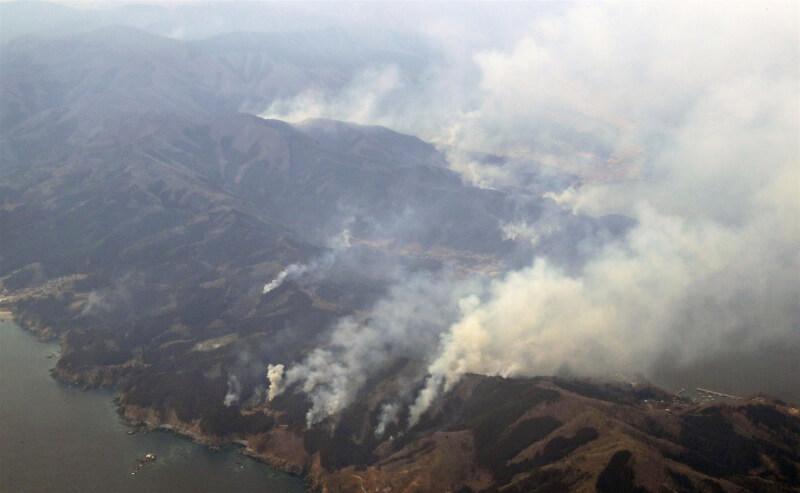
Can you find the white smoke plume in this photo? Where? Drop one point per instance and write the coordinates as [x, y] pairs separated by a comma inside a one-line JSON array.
[[532, 232], [275, 377], [388, 416], [117, 296], [234, 391], [291, 272], [675, 288], [358, 102], [314, 270], [681, 116], [712, 265], [404, 324]]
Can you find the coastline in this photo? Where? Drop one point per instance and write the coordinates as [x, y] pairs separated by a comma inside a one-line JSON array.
[[93, 450], [277, 448], [285, 450], [149, 419], [146, 418]]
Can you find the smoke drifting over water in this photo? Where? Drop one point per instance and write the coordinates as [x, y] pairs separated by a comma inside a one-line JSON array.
[[683, 117]]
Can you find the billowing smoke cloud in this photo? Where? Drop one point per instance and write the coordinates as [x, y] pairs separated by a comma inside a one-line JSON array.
[[683, 117], [275, 378], [234, 391], [587, 87], [712, 266], [406, 323], [676, 290]]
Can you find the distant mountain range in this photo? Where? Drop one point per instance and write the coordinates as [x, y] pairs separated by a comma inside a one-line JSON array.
[[142, 212]]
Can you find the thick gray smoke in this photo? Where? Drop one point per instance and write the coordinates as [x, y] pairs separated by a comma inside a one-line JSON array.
[[713, 265], [683, 117]]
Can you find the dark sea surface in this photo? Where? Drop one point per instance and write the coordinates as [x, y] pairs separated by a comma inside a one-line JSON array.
[[55, 438]]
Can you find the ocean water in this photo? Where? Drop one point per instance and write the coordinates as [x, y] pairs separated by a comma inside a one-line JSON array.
[[56, 438]]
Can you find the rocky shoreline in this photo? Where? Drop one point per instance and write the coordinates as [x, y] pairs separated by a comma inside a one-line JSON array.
[[259, 447], [279, 447], [89, 378], [29, 323], [264, 447], [567, 432]]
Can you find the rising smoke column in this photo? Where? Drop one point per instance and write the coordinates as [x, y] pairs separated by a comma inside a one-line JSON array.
[[406, 323], [711, 267], [292, 272], [316, 269], [387, 417], [703, 124], [275, 378], [234, 391]]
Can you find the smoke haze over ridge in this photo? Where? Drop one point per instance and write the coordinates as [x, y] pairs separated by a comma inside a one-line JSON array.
[[682, 116], [397, 246]]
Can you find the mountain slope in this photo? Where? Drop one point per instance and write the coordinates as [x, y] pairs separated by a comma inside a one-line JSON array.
[[545, 434], [177, 246]]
